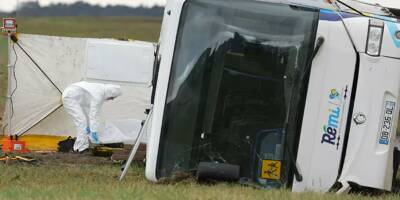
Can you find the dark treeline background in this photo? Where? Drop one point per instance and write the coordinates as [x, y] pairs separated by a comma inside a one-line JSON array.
[[82, 9]]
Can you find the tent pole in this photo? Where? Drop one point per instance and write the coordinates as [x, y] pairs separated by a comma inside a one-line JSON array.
[[136, 146], [9, 86]]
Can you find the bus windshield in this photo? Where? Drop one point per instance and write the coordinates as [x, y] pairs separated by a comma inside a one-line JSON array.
[[237, 88]]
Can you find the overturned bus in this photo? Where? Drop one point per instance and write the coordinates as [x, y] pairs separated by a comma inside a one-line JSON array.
[[300, 94]]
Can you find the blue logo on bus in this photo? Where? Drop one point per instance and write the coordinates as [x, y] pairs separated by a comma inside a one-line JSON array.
[[331, 129]]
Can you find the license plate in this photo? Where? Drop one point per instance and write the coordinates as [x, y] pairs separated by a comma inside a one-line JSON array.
[[387, 122]]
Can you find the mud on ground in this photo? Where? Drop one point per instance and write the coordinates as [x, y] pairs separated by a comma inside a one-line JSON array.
[[60, 159], [56, 158], [95, 156]]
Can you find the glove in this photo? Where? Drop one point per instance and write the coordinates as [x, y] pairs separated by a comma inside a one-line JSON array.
[[94, 138], [87, 130]]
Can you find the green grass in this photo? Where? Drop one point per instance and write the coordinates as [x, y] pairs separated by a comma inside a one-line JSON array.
[[100, 182], [146, 29], [3, 73]]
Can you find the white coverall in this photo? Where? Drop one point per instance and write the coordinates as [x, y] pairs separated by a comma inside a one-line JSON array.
[[83, 102]]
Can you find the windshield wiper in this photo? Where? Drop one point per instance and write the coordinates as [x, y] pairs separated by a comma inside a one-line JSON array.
[[292, 160], [318, 45], [299, 177]]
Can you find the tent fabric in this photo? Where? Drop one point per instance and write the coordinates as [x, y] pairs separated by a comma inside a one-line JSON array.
[[115, 131], [37, 102], [97, 68]]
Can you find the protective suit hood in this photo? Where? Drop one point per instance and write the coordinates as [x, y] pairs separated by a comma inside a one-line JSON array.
[[112, 91]]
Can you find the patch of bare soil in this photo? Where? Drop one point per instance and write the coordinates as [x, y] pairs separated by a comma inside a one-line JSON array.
[[56, 158], [93, 157]]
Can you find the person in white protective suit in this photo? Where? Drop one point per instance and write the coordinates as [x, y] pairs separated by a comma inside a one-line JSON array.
[[83, 102]]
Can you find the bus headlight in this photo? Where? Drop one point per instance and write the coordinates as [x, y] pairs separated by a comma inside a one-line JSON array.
[[375, 34]]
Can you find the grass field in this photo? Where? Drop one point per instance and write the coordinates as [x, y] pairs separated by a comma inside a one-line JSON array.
[[89, 181], [68, 181], [3, 73]]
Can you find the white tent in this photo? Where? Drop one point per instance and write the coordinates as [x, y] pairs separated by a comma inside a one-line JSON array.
[[46, 65]]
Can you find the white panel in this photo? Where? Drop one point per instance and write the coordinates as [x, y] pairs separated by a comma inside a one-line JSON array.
[[368, 160], [358, 30], [168, 38], [326, 110], [121, 61]]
